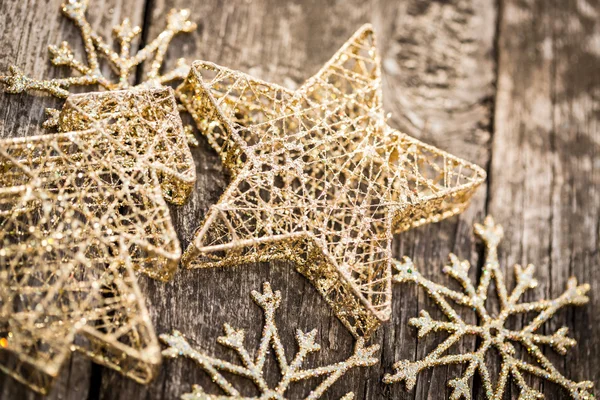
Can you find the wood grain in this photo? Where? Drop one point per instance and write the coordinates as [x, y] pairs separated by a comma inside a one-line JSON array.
[[520, 99], [545, 159]]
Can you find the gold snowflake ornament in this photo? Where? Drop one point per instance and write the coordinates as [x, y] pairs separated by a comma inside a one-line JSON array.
[[319, 178], [252, 367], [121, 62], [82, 209], [491, 329]]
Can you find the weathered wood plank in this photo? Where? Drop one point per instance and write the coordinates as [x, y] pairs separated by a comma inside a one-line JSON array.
[[544, 173], [439, 73], [28, 27]]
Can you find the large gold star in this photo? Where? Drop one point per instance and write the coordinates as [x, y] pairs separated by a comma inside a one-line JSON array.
[[319, 178]]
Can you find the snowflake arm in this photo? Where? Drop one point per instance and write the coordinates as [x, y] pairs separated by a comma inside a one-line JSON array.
[[177, 22], [406, 272], [181, 70], [269, 302], [179, 346], [574, 295], [558, 341], [17, 82], [253, 368]]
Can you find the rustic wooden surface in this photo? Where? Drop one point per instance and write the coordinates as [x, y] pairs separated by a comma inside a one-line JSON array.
[[513, 85]]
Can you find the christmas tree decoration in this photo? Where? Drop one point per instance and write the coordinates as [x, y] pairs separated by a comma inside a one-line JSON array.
[[491, 330], [78, 212], [83, 208], [253, 367], [319, 178], [139, 132]]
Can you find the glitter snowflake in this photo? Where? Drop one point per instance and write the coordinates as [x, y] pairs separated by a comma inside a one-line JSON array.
[[491, 329], [253, 368], [122, 62]]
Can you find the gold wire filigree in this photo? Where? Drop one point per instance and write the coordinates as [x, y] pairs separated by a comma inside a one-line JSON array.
[[319, 178], [253, 367], [83, 208], [151, 133], [67, 279], [491, 329]]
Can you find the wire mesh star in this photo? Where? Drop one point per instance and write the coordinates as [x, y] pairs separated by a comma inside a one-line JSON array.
[[146, 127], [66, 277], [253, 367], [78, 211], [82, 208], [491, 329], [319, 178]]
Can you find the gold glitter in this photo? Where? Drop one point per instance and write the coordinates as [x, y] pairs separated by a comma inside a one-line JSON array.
[[319, 178], [253, 368], [131, 155], [82, 208], [150, 133], [95, 47], [87, 274], [491, 329]]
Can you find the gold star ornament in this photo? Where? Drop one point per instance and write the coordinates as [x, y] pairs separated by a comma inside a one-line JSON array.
[[319, 178], [83, 208], [79, 211]]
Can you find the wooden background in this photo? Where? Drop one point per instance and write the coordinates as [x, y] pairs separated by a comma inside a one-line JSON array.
[[513, 85]]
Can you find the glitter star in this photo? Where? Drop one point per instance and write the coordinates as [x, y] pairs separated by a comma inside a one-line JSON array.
[[319, 178], [83, 208], [78, 212], [67, 280], [491, 329], [253, 367]]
